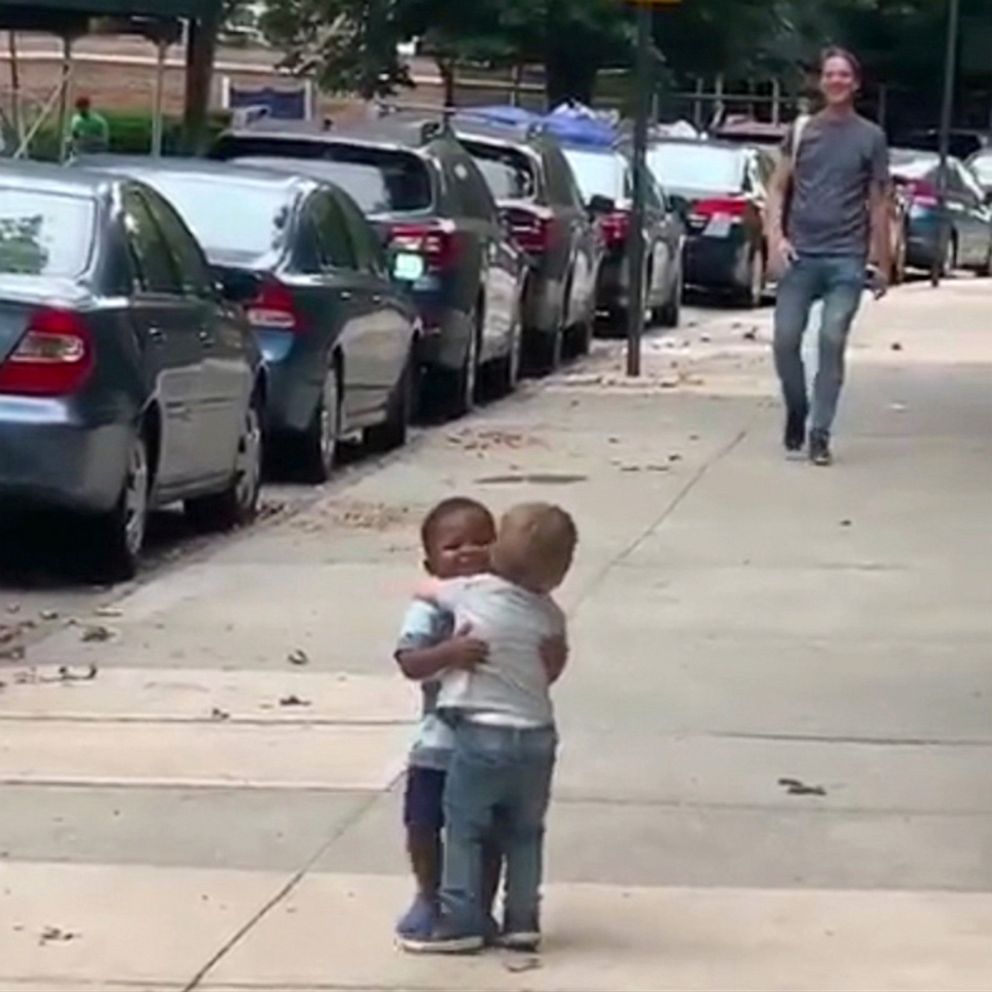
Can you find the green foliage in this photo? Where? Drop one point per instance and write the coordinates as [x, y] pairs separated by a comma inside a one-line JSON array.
[[130, 134]]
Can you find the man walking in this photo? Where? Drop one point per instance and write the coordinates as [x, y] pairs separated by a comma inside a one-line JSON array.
[[828, 220]]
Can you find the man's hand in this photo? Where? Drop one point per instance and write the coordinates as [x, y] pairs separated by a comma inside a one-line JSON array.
[[463, 651], [782, 255], [878, 282], [554, 655]]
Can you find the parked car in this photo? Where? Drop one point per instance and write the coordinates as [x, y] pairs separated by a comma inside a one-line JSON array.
[[981, 165], [339, 338], [447, 242], [605, 178], [722, 189], [970, 243], [126, 381], [537, 194]]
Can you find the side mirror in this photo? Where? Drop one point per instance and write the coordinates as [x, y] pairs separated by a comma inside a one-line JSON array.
[[600, 206], [237, 286]]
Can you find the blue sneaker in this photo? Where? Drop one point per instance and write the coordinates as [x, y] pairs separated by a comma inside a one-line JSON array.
[[419, 920], [445, 938]]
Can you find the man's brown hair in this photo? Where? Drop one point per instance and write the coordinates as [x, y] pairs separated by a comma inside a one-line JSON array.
[[836, 52]]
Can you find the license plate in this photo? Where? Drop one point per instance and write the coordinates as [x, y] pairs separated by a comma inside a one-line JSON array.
[[408, 266], [719, 227]]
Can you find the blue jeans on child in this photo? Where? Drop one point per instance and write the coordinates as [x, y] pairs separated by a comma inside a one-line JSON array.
[[502, 775], [838, 280]]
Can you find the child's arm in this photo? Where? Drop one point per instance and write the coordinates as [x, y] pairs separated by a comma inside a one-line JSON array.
[[462, 651], [554, 648]]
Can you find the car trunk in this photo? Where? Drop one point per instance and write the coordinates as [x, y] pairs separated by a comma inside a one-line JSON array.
[[20, 296]]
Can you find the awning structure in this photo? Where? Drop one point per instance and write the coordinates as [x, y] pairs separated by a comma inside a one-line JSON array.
[[73, 18]]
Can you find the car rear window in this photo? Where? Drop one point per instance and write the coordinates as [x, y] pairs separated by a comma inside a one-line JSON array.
[[380, 180], [214, 210], [43, 233], [509, 173], [697, 167], [599, 173]]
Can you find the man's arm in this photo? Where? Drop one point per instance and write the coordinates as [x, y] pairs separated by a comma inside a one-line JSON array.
[[879, 208], [781, 252]]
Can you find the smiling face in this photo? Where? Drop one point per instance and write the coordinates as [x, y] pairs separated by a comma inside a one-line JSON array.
[[839, 81], [459, 544]]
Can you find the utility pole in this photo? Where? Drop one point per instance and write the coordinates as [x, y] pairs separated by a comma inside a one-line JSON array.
[[635, 238], [946, 117]]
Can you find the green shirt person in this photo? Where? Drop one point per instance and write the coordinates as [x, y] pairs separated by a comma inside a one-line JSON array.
[[90, 131]]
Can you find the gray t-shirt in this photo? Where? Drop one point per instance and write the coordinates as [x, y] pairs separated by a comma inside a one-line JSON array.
[[512, 686], [832, 174]]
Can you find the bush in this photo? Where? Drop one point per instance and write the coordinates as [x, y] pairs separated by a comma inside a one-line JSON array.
[[130, 134]]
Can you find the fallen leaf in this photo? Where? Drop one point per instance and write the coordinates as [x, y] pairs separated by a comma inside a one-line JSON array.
[[298, 657], [50, 934], [293, 701], [218, 714], [896, 346], [97, 634], [518, 966], [108, 611], [796, 788], [751, 335], [846, 523], [49, 614]]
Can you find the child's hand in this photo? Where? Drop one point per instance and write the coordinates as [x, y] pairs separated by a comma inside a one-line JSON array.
[[427, 589], [464, 651], [554, 655]]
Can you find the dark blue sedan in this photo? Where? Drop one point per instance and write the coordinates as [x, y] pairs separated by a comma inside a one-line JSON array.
[[338, 336], [126, 381]]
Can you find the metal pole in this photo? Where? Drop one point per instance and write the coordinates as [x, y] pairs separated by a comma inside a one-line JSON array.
[[635, 242], [162, 47], [15, 87], [946, 115], [64, 95]]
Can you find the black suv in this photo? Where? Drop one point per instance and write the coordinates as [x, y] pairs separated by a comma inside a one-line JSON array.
[[536, 191], [446, 240]]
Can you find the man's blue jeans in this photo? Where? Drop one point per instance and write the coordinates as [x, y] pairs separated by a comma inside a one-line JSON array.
[[838, 280], [502, 776]]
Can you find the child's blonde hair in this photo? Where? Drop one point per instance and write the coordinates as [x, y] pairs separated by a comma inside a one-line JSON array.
[[535, 546]]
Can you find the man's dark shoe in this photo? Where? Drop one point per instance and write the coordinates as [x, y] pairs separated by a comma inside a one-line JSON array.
[[795, 430], [819, 449]]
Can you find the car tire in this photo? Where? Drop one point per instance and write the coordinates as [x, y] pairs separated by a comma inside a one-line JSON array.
[[393, 431], [546, 352], [949, 264], [319, 443], [237, 504], [119, 536], [753, 293], [670, 314], [583, 333], [507, 372]]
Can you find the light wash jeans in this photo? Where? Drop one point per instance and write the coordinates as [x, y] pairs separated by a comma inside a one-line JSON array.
[[497, 775], [838, 280]]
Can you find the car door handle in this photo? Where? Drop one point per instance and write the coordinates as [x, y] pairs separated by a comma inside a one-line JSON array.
[[346, 294], [377, 299], [205, 337], [156, 334]]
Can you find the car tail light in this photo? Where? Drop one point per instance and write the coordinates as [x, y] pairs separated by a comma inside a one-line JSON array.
[[435, 241], [923, 193], [53, 358], [615, 227], [726, 206], [531, 230], [274, 308]]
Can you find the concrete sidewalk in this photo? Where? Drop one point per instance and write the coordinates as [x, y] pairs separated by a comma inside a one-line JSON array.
[[775, 727]]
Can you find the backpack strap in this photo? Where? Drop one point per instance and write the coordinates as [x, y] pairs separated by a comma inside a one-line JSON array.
[[798, 130]]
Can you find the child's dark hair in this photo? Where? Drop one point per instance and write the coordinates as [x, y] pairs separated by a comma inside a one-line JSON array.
[[836, 52], [447, 507]]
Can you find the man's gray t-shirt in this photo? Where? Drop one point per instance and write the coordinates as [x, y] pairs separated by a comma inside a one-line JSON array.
[[832, 174]]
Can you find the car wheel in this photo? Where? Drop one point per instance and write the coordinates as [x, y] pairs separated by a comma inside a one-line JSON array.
[[119, 535], [392, 432], [319, 444], [465, 382], [583, 333], [508, 367], [671, 313], [950, 263], [754, 292], [236, 505], [546, 352]]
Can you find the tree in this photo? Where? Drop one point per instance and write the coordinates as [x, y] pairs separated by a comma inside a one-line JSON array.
[[350, 45]]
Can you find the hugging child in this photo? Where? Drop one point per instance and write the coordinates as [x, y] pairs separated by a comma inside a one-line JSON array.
[[498, 709]]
